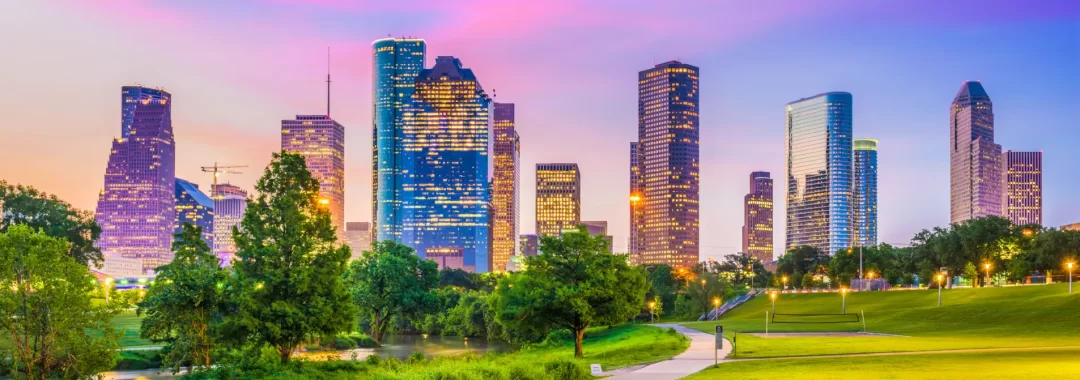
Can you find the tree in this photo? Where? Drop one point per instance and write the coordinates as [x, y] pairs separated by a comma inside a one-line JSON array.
[[742, 269], [657, 307], [47, 311], [287, 275], [576, 283], [390, 281], [802, 259], [52, 216], [971, 273], [184, 303], [706, 290], [662, 284]]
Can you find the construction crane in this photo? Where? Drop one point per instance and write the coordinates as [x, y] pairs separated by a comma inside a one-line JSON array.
[[219, 169]]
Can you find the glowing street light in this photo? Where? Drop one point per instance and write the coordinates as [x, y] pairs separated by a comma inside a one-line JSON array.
[[843, 300], [1028, 232], [773, 296], [939, 279], [652, 314], [1070, 265], [987, 266], [785, 282], [871, 277], [324, 202], [715, 305]]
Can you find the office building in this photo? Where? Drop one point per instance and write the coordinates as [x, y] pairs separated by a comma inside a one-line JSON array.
[[136, 208], [600, 227], [975, 160], [558, 198], [444, 195], [396, 63], [668, 160], [321, 141], [1021, 201], [194, 207], [529, 245], [358, 238], [758, 217], [230, 202], [636, 242], [504, 187], [819, 155], [864, 195]]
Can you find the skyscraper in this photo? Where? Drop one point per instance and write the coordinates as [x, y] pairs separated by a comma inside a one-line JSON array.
[[636, 242], [396, 63], [193, 206], [504, 186], [758, 217], [668, 164], [136, 209], [558, 198], [1021, 200], [230, 202], [358, 237], [819, 156], [864, 197], [444, 184], [530, 245], [975, 160], [321, 141], [599, 227]]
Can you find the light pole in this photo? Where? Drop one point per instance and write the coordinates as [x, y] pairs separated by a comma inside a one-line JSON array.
[[987, 266], [652, 315], [868, 286], [843, 300], [715, 305], [773, 296], [108, 287], [1070, 277], [785, 283], [939, 278]]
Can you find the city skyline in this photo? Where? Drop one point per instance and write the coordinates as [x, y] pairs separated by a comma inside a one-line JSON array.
[[915, 137]]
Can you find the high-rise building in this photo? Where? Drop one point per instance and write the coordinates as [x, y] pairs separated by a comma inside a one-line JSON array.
[[504, 187], [529, 245], [358, 238], [668, 164], [558, 198], [864, 195], [193, 206], [444, 184], [600, 227], [636, 242], [1021, 200], [975, 160], [321, 141], [396, 63], [230, 202], [449, 258], [136, 209], [758, 217], [819, 155], [1071, 227]]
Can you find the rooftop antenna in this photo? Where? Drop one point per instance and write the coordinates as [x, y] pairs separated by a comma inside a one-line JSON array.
[[328, 82]]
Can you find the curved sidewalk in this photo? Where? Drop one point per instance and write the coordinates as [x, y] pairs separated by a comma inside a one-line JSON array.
[[696, 358]]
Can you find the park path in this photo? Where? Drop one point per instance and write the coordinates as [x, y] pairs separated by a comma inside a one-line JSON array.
[[696, 358]]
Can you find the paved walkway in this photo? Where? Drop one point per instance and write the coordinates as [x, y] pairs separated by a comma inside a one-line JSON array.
[[696, 358]]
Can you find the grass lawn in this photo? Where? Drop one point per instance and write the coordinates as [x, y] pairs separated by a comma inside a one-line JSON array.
[[1033, 364], [129, 323], [613, 348], [1029, 316]]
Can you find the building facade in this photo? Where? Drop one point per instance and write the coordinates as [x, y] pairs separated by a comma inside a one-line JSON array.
[[444, 184], [1021, 200], [600, 227], [396, 63], [230, 202], [505, 185], [529, 245], [819, 178], [636, 242], [758, 217], [358, 238], [668, 164], [864, 195], [194, 207], [558, 198], [321, 141], [136, 209], [975, 160]]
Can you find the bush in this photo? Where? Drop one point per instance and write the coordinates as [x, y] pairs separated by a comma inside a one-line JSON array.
[[563, 369], [373, 360], [363, 341], [138, 360], [415, 357], [343, 343]]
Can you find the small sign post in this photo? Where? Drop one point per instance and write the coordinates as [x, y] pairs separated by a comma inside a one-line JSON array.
[[719, 344], [595, 369]]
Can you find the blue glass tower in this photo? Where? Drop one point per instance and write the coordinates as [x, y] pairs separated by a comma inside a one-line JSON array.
[[446, 165], [865, 204], [819, 178], [193, 206], [395, 64]]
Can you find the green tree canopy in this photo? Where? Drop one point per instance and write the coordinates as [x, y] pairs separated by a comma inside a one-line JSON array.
[[184, 303], [56, 218], [574, 284], [390, 281], [47, 311], [802, 259], [287, 282]]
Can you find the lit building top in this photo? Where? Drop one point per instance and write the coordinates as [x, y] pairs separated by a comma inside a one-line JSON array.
[[864, 206], [505, 186], [975, 160], [321, 141], [1022, 187], [558, 198]]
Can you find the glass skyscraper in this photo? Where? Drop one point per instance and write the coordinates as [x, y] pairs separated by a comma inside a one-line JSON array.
[[504, 187], [758, 217], [975, 160], [396, 63], [193, 206], [444, 198], [136, 208], [636, 242], [668, 166], [230, 203], [558, 198], [819, 178], [1021, 201], [321, 141], [865, 207]]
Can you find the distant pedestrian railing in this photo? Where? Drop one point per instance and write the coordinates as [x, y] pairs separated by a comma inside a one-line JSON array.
[[715, 313]]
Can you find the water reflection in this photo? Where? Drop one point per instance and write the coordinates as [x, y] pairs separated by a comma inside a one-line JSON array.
[[400, 346]]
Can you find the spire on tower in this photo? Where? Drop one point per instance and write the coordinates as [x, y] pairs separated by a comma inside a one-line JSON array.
[[328, 82]]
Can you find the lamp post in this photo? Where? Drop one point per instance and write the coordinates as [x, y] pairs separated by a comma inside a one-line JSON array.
[[1070, 265], [773, 296], [652, 314], [108, 286], [843, 300], [987, 266], [715, 305], [939, 278], [785, 283], [871, 277]]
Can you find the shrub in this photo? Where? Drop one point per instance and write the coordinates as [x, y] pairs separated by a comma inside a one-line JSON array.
[[363, 340], [373, 360], [138, 360], [562, 369], [343, 343], [415, 357]]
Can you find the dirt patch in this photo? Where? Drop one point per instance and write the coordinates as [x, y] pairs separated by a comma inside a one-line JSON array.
[[822, 335]]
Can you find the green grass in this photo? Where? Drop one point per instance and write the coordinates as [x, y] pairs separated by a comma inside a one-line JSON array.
[[1031, 364], [1029, 316], [613, 348], [130, 324]]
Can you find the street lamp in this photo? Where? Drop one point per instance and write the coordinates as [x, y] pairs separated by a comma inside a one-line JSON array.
[[785, 283], [871, 276], [324, 202], [939, 278], [652, 314], [987, 266], [773, 296], [108, 286], [1070, 265], [843, 300], [716, 304]]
